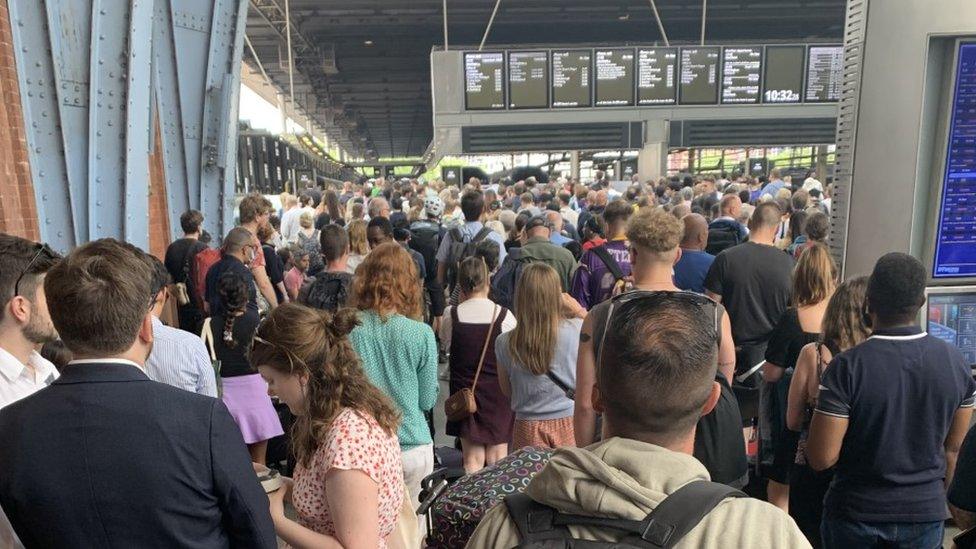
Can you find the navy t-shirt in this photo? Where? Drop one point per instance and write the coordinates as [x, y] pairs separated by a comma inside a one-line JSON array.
[[690, 270], [899, 391]]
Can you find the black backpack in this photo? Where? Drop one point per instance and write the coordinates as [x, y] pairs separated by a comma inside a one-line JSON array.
[[425, 240], [543, 527], [722, 237], [329, 291], [506, 278], [459, 250]]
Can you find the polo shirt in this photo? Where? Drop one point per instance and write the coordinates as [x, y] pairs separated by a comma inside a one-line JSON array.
[[540, 249], [899, 391], [15, 379]]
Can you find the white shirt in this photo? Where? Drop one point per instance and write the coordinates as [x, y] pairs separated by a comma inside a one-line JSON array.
[[16, 381], [479, 310]]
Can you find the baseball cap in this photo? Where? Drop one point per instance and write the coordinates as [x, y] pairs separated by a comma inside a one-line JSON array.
[[538, 221]]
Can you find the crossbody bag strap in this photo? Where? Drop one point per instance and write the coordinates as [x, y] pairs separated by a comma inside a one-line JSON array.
[[208, 338], [570, 392], [484, 349], [608, 260]]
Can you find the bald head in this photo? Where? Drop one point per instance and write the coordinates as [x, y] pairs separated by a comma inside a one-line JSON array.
[[731, 206], [556, 220], [696, 232]]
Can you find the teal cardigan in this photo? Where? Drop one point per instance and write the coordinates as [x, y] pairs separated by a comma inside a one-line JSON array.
[[400, 358]]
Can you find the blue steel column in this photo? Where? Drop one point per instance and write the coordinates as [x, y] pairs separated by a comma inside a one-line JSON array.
[[91, 73], [56, 206]]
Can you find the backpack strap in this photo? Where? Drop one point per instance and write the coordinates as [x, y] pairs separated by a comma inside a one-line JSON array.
[[533, 520], [608, 260], [456, 235], [682, 511], [482, 234]]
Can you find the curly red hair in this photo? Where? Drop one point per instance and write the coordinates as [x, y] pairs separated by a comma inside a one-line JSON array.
[[387, 282]]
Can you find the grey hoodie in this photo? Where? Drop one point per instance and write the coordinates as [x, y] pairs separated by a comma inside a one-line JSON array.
[[623, 478]]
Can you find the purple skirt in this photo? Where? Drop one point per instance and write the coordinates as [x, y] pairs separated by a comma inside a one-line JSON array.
[[247, 399]]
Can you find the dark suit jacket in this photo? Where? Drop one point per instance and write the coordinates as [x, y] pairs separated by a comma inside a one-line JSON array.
[[106, 457]]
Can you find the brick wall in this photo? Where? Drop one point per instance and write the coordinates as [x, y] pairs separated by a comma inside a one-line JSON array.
[[18, 211], [158, 215]]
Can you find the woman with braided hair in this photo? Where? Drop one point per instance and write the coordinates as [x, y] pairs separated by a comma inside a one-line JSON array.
[[348, 485], [244, 392]]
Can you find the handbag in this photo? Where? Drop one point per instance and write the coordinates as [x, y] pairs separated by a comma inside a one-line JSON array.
[[462, 404]]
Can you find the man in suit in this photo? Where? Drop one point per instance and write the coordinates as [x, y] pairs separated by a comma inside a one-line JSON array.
[[106, 457]]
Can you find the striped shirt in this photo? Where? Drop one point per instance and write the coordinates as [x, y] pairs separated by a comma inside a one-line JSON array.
[[180, 359]]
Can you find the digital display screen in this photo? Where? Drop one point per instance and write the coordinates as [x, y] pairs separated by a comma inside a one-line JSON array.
[[741, 74], [657, 76], [484, 80], [955, 244], [952, 318], [528, 79], [614, 77], [699, 75], [571, 78], [825, 67], [783, 74]]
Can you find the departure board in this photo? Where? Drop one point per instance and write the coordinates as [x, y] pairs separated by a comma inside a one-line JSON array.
[[741, 74], [825, 68], [951, 317], [614, 77], [783, 74], [698, 84], [657, 75], [955, 245], [528, 79], [484, 80], [571, 78]]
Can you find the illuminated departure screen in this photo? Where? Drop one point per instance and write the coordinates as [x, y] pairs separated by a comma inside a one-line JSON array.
[[783, 74], [484, 80], [955, 245], [614, 77], [952, 318], [657, 74], [528, 79], [825, 67], [741, 72], [699, 76], [571, 78]]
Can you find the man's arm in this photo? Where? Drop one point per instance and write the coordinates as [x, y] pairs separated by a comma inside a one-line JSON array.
[[825, 440], [206, 377], [962, 489], [264, 285], [427, 373], [240, 498], [584, 416], [284, 290], [953, 442]]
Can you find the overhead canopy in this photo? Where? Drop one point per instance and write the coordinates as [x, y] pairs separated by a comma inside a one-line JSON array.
[[362, 67]]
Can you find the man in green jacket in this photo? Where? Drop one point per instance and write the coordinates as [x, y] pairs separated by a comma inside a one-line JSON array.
[[539, 248], [655, 380]]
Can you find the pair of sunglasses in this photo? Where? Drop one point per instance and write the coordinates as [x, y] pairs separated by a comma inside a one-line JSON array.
[[653, 299], [41, 249]]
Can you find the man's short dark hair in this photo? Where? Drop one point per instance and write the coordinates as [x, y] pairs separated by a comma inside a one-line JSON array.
[[334, 242], [17, 254], [472, 205], [896, 289], [617, 210], [767, 215], [384, 225], [98, 297], [744, 196], [160, 276], [817, 226], [657, 367], [190, 221]]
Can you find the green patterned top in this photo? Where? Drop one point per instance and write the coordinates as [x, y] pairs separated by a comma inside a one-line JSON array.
[[400, 358]]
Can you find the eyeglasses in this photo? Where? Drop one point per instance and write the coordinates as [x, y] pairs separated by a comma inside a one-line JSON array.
[[41, 248], [652, 299]]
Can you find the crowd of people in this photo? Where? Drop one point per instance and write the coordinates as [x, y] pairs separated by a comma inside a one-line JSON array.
[[656, 335]]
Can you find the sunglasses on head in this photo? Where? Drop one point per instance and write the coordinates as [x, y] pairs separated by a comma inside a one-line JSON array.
[[41, 249], [650, 300]]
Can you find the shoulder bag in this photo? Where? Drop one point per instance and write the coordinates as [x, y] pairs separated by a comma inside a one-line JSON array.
[[462, 404]]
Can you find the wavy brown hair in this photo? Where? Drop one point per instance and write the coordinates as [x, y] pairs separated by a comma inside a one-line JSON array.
[[843, 321], [386, 282], [298, 340]]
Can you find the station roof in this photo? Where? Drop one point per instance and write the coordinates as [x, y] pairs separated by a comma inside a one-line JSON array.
[[362, 67]]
